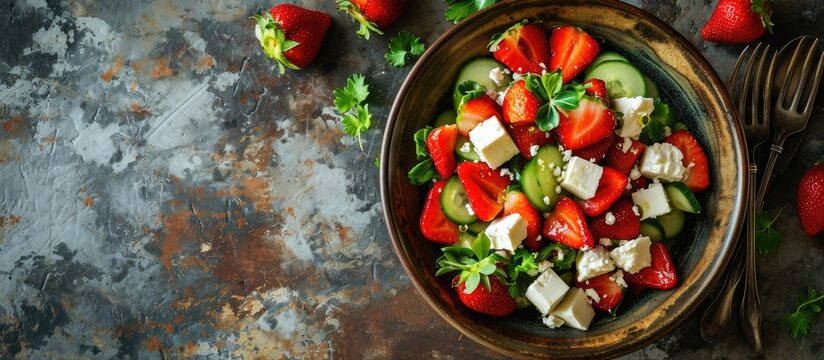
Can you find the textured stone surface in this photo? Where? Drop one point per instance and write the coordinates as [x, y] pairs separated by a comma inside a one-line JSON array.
[[166, 194]]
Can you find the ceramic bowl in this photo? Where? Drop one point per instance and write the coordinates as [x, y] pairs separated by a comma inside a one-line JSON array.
[[687, 83]]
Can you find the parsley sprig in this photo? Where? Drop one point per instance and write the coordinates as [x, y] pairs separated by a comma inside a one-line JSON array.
[[424, 171], [403, 46], [550, 88], [654, 126], [350, 102], [767, 238], [460, 9], [476, 265], [805, 316]]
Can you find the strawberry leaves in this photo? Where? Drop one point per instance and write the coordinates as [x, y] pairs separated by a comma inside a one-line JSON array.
[[273, 40], [459, 9], [767, 238], [365, 25], [402, 46], [550, 88], [805, 316], [349, 101], [475, 265]]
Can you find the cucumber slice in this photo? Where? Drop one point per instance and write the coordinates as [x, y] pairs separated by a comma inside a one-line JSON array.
[[455, 204], [538, 178], [470, 154], [652, 89], [622, 79], [672, 222], [682, 198], [529, 184], [447, 117], [607, 56], [466, 240], [652, 228], [477, 227], [478, 70]]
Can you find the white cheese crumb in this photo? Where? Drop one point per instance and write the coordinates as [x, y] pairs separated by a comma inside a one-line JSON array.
[[546, 200], [557, 172], [609, 218], [469, 210], [636, 211], [635, 173], [557, 189], [592, 295], [667, 131], [618, 278], [544, 265], [496, 75], [533, 150], [466, 147], [506, 172], [567, 155], [605, 242], [626, 145]]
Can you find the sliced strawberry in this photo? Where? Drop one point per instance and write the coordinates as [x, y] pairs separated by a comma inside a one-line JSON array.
[[660, 274], [590, 123], [567, 225], [526, 137], [695, 160], [598, 89], [623, 158], [476, 111], [520, 105], [517, 203], [624, 223], [594, 152], [572, 51], [441, 145], [610, 187], [484, 187], [639, 183], [609, 292], [434, 225], [497, 303], [522, 48]]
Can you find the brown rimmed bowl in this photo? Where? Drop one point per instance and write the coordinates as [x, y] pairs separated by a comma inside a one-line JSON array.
[[687, 83]]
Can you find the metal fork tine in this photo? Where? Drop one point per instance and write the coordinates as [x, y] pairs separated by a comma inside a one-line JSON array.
[[734, 74], [768, 92], [756, 89], [816, 80], [805, 72], [742, 98], [790, 70]]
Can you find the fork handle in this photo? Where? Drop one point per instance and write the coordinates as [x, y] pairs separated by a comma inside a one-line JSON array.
[[750, 314], [775, 151]]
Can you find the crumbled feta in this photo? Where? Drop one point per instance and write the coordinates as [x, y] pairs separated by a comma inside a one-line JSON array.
[[605, 241], [567, 155], [546, 200], [609, 218], [632, 256], [618, 278], [636, 211], [592, 294], [499, 97], [496, 75], [626, 145], [557, 189], [667, 131], [662, 161], [546, 291], [469, 210], [466, 147], [492, 142], [533, 150], [552, 321], [544, 265], [634, 109], [635, 173], [593, 263], [506, 172], [581, 178], [507, 233], [556, 172], [491, 93]]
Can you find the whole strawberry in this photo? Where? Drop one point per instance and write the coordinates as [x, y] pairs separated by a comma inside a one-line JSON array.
[[738, 21], [373, 15], [811, 199], [291, 35]]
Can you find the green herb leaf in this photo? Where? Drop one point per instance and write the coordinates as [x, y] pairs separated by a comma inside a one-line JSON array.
[[567, 100], [378, 162], [767, 238], [422, 173], [553, 82], [536, 85], [402, 46], [469, 90], [459, 9], [481, 246], [353, 94], [354, 124], [805, 316], [547, 117], [420, 142], [660, 118], [521, 270], [472, 282]]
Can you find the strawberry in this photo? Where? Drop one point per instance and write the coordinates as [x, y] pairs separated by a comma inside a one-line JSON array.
[[520, 105], [291, 35], [598, 89], [434, 225], [610, 187], [659, 275], [494, 302], [373, 15], [638, 184], [441, 145], [626, 224], [517, 203], [526, 137], [522, 48], [567, 225], [484, 187], [572, 50], [695, 160], [810, 198], [621, 160], [590, 123], [609, 292], [738, 21], [594, 152], [476, 111]]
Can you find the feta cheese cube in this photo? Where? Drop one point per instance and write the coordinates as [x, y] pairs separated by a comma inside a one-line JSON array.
[[496, 75], [552, 321], [546, 291], [506, 233], [581, 177], [652, 201], [492, 142], [575, 310], [633, 110], [633, 256], [662, 161], [593, 262]]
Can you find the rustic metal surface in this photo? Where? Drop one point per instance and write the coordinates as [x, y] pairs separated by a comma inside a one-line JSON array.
[[166, 194]]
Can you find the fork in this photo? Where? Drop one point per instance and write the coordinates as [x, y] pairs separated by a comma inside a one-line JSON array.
[[789, 117]]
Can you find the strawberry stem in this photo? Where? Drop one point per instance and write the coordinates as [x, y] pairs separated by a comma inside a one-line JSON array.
[[763, 8], [274, 42], [365, 25]]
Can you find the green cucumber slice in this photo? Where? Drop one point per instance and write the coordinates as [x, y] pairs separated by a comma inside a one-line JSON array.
[[455, 204], [672, 222], [478, 70], [529, 184], [538, 179], [652, 89], [622, 79], [466, 240], [470, 154], [607, 56], [652, 229], [477, 227], [447, 117], [682, 198]]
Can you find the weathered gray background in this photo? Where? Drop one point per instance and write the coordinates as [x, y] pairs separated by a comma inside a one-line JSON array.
[[166, 194]]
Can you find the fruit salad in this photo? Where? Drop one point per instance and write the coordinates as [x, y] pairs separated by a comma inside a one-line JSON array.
[[558, 179]]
